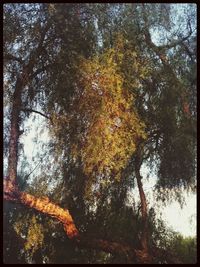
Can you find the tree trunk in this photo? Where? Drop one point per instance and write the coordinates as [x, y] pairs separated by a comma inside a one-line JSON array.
[[144, 235], [144, 242], [21, 82], [14, 133], [144, 253]]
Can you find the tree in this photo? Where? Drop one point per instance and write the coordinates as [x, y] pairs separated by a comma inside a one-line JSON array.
[[113, 100]]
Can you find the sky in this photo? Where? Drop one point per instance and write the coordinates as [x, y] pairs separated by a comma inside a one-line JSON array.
[[180, 219]]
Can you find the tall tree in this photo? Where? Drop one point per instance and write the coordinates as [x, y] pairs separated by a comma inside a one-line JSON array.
[[113, 100]]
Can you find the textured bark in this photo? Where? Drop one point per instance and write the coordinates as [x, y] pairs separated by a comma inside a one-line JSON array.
[[44, 205]]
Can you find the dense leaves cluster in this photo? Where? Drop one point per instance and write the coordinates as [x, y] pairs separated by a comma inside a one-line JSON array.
[[106, 125]]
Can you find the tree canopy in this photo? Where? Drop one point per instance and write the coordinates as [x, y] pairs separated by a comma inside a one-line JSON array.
[[116, 87]]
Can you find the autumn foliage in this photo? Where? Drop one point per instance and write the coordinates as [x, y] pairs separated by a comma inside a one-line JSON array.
[[108, 127]]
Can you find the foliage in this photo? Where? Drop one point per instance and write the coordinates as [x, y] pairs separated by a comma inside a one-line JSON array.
[[107, 127], [171, 244], [106, 91], [185, 248], [34, 233]]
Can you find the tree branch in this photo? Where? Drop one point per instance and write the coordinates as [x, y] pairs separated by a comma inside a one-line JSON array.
[[175, 42], [35, 111], [187, 50], [131, 254], [44, 205], [162, 56], [34, 54]]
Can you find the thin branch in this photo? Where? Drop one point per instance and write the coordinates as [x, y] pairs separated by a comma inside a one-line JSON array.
[[138, 162], [32, 171], [175, 43], [37, 51], [35, 111], [187, 50]]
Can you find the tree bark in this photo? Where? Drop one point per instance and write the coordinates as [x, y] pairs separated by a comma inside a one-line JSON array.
[[44, 205]]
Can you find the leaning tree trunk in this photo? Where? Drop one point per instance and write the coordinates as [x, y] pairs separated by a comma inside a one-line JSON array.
[[144, 235]]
